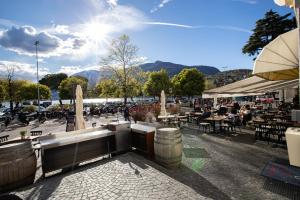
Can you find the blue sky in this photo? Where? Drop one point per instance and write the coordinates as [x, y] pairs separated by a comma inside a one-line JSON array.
[[74, 34]]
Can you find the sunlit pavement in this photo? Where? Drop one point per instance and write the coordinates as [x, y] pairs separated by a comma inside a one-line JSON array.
[[214, 166]]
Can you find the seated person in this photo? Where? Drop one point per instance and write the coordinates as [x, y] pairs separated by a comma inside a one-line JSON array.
[[206, 113], [246, 114], [222, 110]]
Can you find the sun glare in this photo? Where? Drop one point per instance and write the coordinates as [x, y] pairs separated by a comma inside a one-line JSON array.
[[97, 32]]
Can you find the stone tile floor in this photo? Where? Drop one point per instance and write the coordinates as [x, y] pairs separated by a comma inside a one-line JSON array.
[[214, 166]]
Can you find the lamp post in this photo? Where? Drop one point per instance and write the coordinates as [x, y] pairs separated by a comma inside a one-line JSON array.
[[296, 5], [36, 43]]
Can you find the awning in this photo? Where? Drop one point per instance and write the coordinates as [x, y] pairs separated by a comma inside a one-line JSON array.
[[249, 87], [279, 59]]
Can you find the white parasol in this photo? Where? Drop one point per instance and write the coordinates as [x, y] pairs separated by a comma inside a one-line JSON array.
[[79, 120]]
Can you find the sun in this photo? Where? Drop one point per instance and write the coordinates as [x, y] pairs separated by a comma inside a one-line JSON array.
[[97, 32]]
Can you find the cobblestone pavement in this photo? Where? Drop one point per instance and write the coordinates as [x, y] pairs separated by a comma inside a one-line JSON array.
[[128, 176], [214, 166]]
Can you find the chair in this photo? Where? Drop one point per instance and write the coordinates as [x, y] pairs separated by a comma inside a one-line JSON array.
[[279, 131], [4, 138], [36, 133], [226, 126], [36, 144], [263, 130], [204, 126], [94, 124]]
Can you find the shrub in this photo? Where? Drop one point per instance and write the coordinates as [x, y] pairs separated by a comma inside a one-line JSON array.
[[29, 109]]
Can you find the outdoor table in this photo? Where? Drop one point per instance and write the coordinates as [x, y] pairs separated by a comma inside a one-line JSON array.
[[26, 138], [215, 119], [188, 115], [166, 117]]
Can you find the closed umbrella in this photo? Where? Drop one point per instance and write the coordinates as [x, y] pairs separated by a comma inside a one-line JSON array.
[[279, 59], [163, 111], [79, 120]]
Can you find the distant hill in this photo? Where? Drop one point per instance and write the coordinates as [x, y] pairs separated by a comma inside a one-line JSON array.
[[94, 76], [173, 68], [230, 76]]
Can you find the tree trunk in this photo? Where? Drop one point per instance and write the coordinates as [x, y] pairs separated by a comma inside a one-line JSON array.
[[10, 94]]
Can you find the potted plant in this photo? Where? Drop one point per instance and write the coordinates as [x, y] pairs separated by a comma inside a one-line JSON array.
[[23, 134]]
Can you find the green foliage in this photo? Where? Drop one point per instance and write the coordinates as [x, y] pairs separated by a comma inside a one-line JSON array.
[[66, 87], [58, 107], [30, 109], [29, 91], [266, 30], [121, 61], [2, 92], [108, 88], [16, 87], [53, 80], [188, 82], [157, 81], [23, 133], [209, 84]]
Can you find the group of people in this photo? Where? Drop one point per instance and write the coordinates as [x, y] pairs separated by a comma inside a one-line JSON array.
[[234, 111]]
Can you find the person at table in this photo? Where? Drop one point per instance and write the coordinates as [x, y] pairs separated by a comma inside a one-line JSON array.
[[207, 113], [197, 105], [236, 106], [222, 110], [246, 114], [126, 114]]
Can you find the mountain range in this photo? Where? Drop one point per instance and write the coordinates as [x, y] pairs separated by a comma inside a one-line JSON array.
[[94, 76]]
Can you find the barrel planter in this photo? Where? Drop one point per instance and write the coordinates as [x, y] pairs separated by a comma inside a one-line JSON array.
[[168, 147], [17, 164]]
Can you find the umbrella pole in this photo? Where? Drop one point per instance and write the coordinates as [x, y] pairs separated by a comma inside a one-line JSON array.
[[297, 14]]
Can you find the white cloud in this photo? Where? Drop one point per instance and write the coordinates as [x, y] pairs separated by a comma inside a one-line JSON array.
[[23, 70], [112, 3], [76, 40], [169, 24], [69, 70], [160, 5], [248, 1], [221, 27]]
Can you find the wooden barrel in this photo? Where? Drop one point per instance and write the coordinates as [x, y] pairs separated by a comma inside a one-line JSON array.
[[17, 164], [168, 147]]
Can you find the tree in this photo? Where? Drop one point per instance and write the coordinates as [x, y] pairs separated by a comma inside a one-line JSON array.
[[157, 81], [188, 82], [2, 91], [266, 30], [53, 80], [107, 87], [69, 84], [10, 72], [121, 61], [29, 91]]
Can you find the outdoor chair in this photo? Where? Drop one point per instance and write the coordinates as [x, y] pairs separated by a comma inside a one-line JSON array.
[[4, 138], [278, 130], [236, 123], [36, 144], [226, 126], [204, 126], [262, 131], [94, 124], [36, 133]]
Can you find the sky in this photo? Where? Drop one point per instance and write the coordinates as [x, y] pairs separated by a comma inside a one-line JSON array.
[[74, 35]]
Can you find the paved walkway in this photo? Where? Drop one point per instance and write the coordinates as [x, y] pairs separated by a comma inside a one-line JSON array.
[[214, 166]]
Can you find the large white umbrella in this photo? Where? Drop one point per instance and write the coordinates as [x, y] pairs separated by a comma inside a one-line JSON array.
[[79, 120], [290, 3], [279, 59]]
